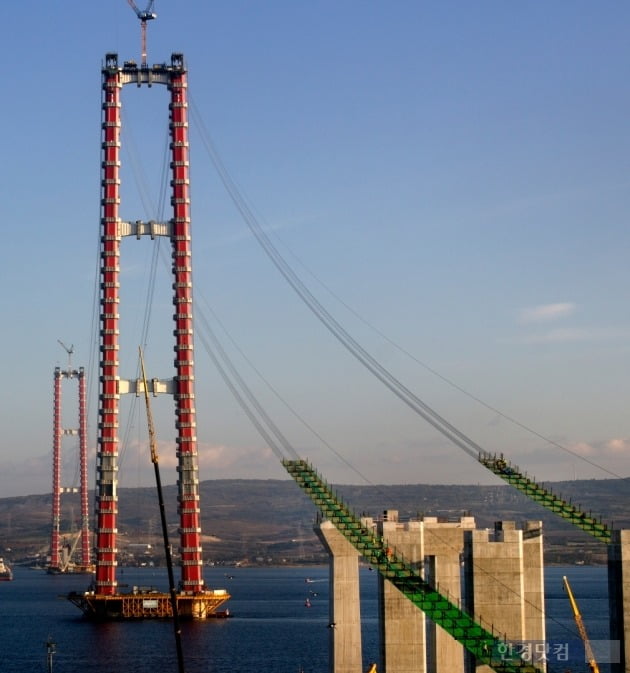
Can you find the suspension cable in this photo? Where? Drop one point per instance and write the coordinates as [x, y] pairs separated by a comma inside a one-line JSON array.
[[385, 376], [299, 417], [322, 314]]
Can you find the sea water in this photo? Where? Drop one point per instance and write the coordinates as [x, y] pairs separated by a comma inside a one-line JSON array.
[[272, 630]]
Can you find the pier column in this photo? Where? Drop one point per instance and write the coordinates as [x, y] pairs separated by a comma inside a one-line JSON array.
[[345, 654], [494, 581], [401, 623], [534, 583], [619, 597], [443, 548]]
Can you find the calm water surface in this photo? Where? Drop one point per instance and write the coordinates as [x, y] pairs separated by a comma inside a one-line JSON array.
[[272, 630]]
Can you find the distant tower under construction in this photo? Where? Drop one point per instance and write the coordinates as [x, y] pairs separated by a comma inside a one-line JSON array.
[[60, 555]]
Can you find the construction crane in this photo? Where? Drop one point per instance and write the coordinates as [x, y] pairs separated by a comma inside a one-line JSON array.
[[167, 546], [588, 650], [69, 351], [67, 559], [144, 15]]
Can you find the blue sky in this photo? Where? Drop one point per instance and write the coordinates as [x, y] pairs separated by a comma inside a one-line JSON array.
[[456, 173]]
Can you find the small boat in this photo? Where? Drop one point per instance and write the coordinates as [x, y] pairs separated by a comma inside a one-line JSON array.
[[307, 603], [309, 580], [6, 574]]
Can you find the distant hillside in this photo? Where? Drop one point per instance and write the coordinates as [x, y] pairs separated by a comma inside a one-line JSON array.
[[271, 521]]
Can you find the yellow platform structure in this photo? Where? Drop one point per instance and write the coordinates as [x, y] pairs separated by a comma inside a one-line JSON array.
[[147, 603]]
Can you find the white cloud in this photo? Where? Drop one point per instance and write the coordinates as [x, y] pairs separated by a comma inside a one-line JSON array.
[[559, 336], [216, 461], [34, 474], [572, 334], [546, 312], [607, 448], [227, 462]]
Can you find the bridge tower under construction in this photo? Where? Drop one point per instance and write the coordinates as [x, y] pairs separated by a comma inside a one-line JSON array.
[[193, 599], [60, 556]]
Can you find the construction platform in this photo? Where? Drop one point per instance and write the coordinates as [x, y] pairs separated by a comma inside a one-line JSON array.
[[148, 603], [72, 569]]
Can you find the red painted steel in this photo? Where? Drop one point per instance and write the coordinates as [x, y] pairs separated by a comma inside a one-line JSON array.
[[56, 481], [186, 425], [83, 466], [188, 481], [106, 491], [56, 561]]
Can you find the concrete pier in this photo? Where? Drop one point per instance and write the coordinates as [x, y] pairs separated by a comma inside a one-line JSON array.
[[494, 582], [619, 597], [534, 581], [344, 639], [502, 582], [411, 642], [444, 546], [401, 623]]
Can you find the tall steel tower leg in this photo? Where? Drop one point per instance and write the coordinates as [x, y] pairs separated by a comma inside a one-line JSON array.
[[85, 508], [56, 482], [188, 482], [107, 445]]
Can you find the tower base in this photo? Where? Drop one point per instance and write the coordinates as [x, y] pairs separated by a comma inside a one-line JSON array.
[[72, 569], [145, 603]]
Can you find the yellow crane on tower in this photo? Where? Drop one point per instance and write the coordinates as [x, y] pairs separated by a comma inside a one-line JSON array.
[[588, 650]]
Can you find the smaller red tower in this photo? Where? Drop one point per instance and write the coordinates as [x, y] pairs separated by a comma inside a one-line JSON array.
[[61, 553]]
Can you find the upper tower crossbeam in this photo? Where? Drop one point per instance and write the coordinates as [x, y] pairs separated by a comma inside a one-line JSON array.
[[130, 73]]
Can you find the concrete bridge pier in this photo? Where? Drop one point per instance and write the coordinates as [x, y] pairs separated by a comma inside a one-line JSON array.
[[504, 584], [534, 582], [619, 598], [401, 623], [444, 546], [411, 642], [344, 639]]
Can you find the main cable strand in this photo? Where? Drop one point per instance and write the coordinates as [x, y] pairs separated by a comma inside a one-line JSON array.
[[278, 396], [389, 380], [353, 347]]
